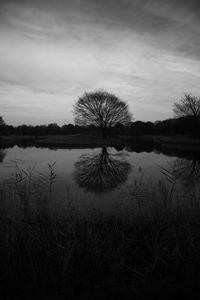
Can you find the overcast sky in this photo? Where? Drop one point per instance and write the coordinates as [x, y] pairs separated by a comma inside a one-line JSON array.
[[52, 51]]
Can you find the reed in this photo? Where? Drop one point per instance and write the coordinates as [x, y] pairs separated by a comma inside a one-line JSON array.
[[149, 250]]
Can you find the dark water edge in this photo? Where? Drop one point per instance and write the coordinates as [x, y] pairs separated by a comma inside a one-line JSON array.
[[181, 142], [182, 147]]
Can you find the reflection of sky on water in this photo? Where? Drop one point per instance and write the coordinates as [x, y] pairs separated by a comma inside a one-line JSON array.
[[143, 164]]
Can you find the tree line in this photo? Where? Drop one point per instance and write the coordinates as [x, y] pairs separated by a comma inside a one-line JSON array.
[[102, 113], [183, 125]]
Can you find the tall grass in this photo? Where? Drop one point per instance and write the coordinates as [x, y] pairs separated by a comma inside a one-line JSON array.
[[148, 251]]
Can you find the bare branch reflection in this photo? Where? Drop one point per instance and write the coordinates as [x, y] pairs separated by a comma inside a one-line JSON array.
[[187, 171], [101, 172]]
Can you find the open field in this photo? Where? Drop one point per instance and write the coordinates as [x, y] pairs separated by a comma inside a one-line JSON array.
[[150, 250]]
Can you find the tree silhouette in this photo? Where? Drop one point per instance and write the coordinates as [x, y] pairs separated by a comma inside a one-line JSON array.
[[188, 106], [101, 109], [101, 172], [2, 123]]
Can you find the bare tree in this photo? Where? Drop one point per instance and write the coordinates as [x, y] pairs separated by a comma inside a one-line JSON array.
[[102, 109], [1, 125], [1, 121], [188, 106]]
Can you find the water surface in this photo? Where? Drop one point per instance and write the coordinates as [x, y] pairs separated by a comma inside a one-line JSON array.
[[97, 178]]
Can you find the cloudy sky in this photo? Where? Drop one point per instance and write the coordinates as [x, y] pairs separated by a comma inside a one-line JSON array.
[[147, 52]]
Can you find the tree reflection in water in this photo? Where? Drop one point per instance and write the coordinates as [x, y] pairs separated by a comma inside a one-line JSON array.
[[187, 171], [101, 172]]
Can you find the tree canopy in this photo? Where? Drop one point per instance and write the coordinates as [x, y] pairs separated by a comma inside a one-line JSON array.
[[1, 121], [101, 109], [1, 125], [187, 106]]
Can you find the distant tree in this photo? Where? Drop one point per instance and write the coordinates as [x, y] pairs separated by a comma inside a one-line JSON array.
[[188, 106], [119, 128], [141, 128], [165, 126], [53, 128], [2, 123], [101, 109]]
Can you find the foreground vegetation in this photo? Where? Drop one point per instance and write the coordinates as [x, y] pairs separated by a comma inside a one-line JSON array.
[[148, 250]]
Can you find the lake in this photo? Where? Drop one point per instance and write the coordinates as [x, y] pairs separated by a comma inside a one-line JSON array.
[[96, 178]]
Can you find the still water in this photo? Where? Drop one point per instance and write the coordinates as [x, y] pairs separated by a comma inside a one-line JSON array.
[[97, 178]]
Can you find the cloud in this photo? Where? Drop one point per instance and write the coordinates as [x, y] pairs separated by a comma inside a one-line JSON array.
[[147, 52], [171, 25]]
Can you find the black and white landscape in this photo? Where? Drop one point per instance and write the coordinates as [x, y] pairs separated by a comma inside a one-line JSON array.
[[99, 149]]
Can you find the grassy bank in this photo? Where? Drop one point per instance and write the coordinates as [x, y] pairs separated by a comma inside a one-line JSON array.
[[68, 141], [177, 142], [150, 250]]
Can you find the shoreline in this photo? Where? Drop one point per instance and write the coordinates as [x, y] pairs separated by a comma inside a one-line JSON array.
[[78, 141]]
